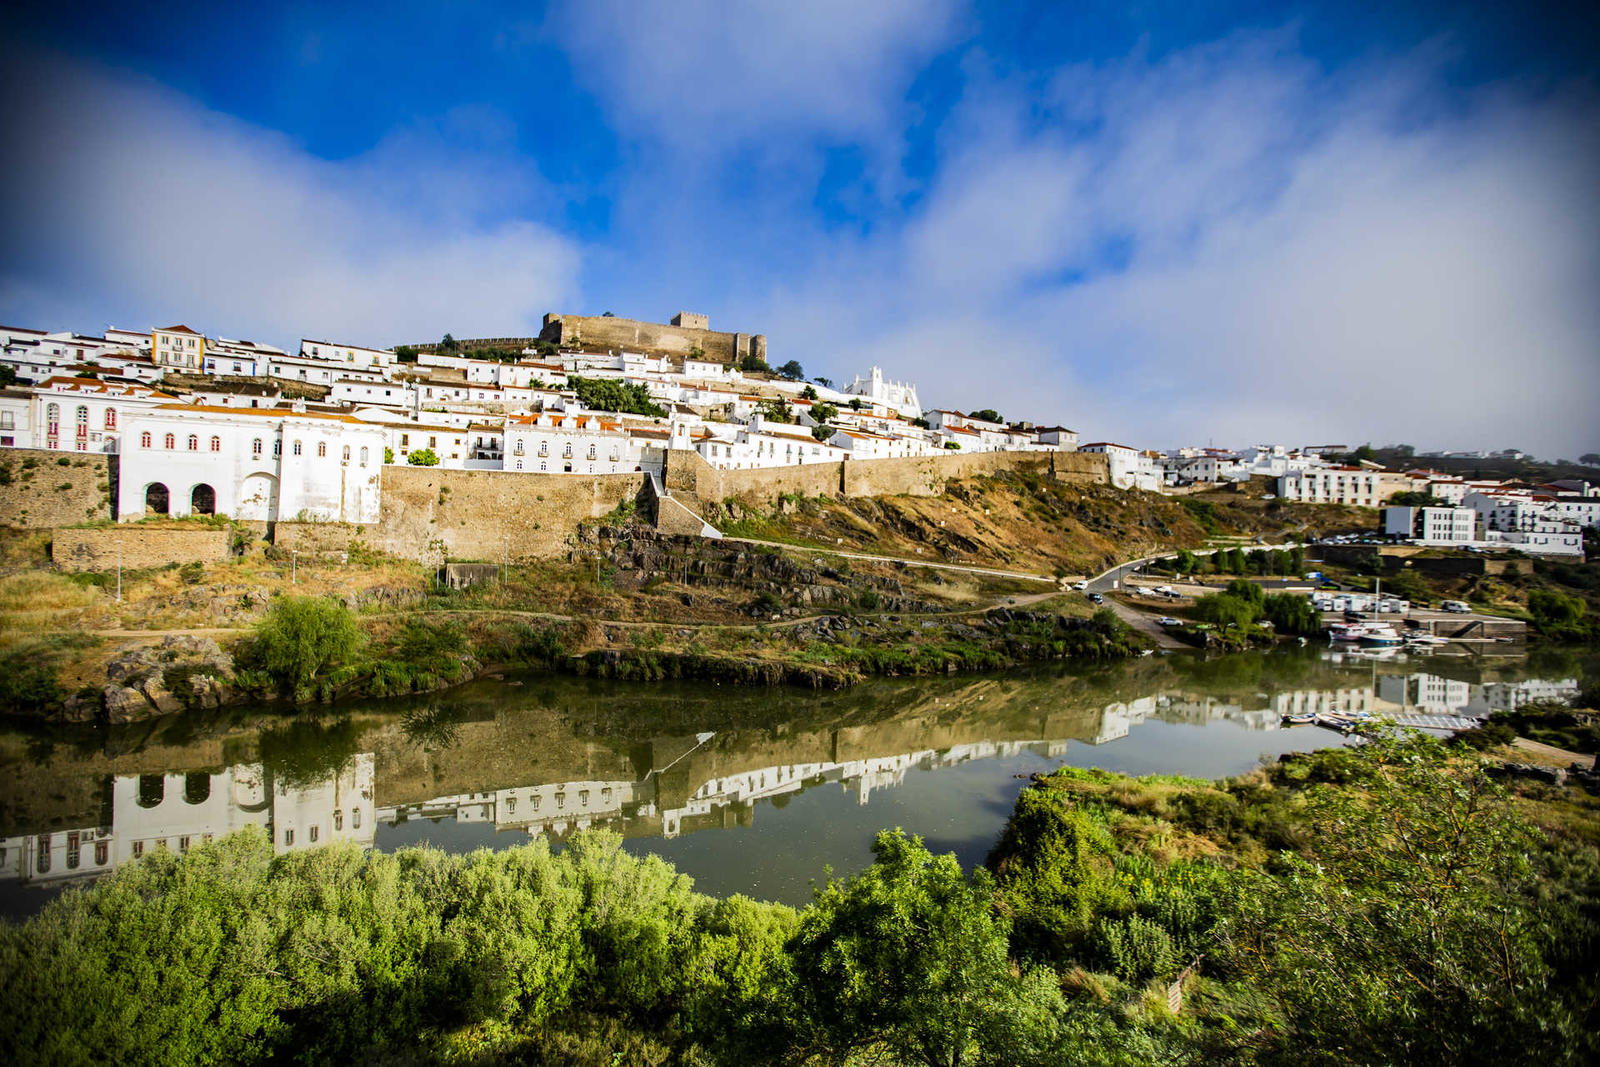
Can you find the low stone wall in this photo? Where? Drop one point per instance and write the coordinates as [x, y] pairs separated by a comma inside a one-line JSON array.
[[41, 488], [314, 538], [96, 548], [487, 515]]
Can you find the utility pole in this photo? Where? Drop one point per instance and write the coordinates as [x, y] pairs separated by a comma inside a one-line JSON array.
[[294, 567], [119, 570]]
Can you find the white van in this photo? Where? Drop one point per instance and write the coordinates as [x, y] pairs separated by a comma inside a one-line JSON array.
[[1457, 606]]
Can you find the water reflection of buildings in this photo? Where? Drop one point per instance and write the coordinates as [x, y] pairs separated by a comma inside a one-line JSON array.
[[177, 811], [678, 785]]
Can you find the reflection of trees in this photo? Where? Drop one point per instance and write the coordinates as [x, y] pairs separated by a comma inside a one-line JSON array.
[[307, 751], [432, 726]]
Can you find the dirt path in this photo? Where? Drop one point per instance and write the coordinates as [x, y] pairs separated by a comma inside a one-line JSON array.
[[1145, 624], [991, 571], [1550, 752]]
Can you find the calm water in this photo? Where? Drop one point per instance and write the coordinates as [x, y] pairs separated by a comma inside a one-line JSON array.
[[752, 791]]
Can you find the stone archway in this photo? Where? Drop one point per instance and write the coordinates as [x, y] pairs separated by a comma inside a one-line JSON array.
[[202, 500], [156, 500]]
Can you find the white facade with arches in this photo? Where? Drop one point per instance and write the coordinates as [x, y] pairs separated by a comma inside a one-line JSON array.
[[88, 415], [251, 463]]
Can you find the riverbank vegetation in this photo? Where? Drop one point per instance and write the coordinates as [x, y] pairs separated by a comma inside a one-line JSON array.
[[1385, 904]]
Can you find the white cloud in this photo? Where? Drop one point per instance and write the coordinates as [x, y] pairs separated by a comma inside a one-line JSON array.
[[1230, 244], [130, 202], [716, 71]]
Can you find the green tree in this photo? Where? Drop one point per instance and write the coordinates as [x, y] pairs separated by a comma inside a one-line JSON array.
[[987, 415], [793, 371], [302, 637], [777, 409], [1558, 615], [826, 383], [754, 364], [388, 454], [611, 394], [1410, 933], [449, 344], [423, 457], [1590, 459], [911, 957], [1293, 614], [808, 393]]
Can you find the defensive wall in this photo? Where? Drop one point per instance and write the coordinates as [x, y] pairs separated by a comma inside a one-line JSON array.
[[691, 479], [41, 488], [98, 548], [652, 337], [428, 512]]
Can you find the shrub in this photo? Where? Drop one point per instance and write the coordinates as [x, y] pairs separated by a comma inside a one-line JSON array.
[[301, 638]]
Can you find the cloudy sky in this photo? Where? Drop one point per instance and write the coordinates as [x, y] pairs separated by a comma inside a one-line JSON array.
[[1158, 222]]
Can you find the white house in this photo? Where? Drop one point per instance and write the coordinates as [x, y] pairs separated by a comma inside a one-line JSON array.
[[1359, 486], [351, 357], [318, 371], [178, 348], [251, 463], [402, 436], [1130, 468], [245, 358], [1432, 526], [555, 442], [766, 444], [87, 414], [16, 418]]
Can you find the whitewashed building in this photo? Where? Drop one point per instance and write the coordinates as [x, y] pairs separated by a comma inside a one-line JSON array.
[[899, 396], [251, 463], [1358, 486], [87, 414], [350, 357], [556, 442]]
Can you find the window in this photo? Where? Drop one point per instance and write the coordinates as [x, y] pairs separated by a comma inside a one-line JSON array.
[[236, 368], [519, 448], [297, 448], [433, 442], [171, 441], [216, 444], [144, 440], [138, 849], [314, 835], [591, 451], [52, 418], [322, 449], [183, 844], [544, 448], [346, 455], [338, 820], [255, 448], [543, 465], [194, 443], [277, 447], [288, 838], [566, 453], [355, 818], [111, 418], [363, 455]]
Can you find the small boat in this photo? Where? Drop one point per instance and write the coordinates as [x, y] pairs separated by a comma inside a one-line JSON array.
[[1305, 718], [1426, 639], [1346, 631], [1335, 722], [1380, 636]]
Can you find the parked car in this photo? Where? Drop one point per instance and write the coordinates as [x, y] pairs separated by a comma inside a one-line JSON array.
[[1097, 598], [1355, 616], [1168, 620], [1080, 586], [1457, 606]]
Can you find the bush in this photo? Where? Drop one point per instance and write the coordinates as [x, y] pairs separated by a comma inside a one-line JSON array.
[[302, 638], [422, 457]]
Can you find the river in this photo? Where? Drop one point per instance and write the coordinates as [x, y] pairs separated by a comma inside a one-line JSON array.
[[755, 791]]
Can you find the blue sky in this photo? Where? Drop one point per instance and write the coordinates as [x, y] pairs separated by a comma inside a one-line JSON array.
[[1159, 222]]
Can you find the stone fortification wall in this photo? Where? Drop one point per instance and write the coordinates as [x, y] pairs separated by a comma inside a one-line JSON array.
[[95, 548], [315, 538], [41, 488], [637, 336], [486, 514], [695, 482]]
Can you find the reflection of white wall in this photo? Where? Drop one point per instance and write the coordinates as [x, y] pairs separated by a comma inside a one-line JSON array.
[[180, 811]]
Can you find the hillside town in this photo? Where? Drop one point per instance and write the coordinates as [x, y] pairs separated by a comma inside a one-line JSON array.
[[205, 425]]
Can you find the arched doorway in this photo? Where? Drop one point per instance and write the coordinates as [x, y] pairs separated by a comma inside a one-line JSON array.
[[152, 790], [203, 500], [155, 499], [196, 788]]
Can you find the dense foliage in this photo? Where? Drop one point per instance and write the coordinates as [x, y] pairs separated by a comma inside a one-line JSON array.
[[613, 394], [1244, 605], [1379, 905]]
